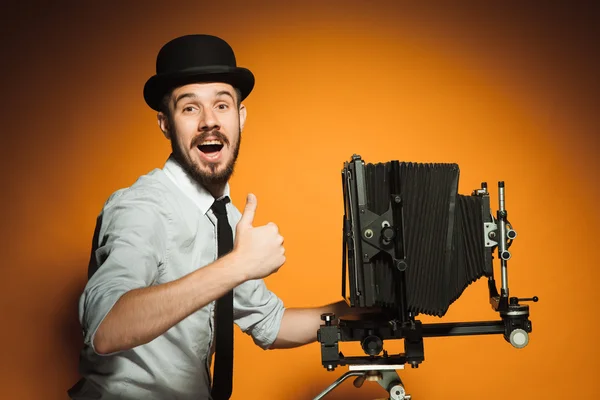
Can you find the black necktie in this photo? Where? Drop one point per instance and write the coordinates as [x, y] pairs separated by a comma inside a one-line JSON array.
[[223, 372]]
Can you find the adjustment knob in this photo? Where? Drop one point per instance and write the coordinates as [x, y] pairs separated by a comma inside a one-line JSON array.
[[519, 338], [397, 392], [387, 234], [372, 345], [328, 317]]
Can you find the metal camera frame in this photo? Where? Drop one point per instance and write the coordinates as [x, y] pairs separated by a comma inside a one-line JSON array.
[[365, 235]]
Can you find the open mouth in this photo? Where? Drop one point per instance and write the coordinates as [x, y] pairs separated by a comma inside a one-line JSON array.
[[211, 148]]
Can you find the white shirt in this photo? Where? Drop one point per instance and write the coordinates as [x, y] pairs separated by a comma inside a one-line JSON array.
[[158, 230]]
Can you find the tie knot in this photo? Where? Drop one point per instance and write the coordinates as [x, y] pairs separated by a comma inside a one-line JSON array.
[[218, 206]]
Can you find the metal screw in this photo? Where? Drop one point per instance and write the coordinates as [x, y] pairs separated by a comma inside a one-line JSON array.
[[368, 233]]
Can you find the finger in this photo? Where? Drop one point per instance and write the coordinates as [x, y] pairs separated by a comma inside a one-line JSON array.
[[249, 211], [273, 227]]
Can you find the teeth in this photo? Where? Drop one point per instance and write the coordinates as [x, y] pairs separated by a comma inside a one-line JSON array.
[[208, 142]]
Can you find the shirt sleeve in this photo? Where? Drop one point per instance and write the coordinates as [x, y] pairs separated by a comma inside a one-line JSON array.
[[128, 249], [256, 309], [258, 312]]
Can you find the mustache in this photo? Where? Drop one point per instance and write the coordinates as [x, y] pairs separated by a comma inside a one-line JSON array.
[[204, 135]]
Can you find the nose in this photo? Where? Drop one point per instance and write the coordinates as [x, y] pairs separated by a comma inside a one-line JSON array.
[[209, 120]]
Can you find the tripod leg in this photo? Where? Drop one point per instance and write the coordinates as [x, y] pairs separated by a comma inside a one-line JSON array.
[[338, 381]]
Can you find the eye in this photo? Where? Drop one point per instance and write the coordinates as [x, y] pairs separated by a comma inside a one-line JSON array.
[[189, 109], [222, 106]]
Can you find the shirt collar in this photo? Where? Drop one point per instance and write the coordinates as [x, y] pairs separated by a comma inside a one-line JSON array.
[[190, 187]]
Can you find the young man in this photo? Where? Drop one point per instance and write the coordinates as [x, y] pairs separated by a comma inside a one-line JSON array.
[[174, 263]]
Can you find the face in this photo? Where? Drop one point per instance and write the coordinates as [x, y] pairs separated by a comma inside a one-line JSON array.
[[205, 131]]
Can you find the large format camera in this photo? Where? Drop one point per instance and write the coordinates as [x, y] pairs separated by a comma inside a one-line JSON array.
[[412, 245]]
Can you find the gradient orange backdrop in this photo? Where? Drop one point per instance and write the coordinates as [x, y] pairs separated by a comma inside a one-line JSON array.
[[508, 92]]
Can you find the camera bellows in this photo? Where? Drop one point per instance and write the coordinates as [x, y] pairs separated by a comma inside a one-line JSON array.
[[439, 232]]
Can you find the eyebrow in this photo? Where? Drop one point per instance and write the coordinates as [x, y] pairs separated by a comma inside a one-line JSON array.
[[193, 96], [183, 96], [225, 92]]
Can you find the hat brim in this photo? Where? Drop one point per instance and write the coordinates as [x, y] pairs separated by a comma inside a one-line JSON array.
[[159, 85]]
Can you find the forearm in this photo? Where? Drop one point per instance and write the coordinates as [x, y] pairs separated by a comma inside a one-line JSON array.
[[299, 326], [141, 315]]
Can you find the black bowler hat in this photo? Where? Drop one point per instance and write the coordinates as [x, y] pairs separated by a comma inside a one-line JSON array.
[[192, 59]]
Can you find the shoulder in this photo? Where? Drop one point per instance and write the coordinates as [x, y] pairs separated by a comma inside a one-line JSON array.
[[149, 194]]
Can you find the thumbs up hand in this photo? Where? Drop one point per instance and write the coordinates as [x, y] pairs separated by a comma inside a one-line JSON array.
[[259, 248]]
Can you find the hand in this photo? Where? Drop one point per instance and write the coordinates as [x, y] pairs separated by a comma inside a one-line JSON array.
[[260, 248]]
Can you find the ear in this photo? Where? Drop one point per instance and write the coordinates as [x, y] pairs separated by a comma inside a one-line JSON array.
[[163, 124], [242, 116]]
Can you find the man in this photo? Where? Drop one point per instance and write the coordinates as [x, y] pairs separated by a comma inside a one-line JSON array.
[[172, 257]]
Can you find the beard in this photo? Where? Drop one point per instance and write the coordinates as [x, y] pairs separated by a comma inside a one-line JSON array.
[[213, 177]]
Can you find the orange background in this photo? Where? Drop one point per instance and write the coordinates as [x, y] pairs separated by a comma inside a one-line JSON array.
[[508, 92]]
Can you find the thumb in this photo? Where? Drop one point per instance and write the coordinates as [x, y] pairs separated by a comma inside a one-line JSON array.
[[249, 210]]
